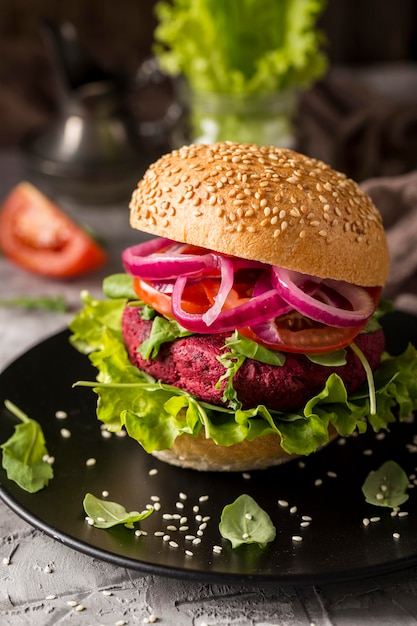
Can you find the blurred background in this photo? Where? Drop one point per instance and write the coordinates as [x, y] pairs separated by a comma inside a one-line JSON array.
[[367, 98]]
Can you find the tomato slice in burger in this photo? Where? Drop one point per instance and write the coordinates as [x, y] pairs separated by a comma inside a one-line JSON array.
[[37, 235], [295, 333], [194, 297]]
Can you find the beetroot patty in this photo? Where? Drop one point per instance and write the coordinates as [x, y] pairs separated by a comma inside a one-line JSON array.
[[191, 364]]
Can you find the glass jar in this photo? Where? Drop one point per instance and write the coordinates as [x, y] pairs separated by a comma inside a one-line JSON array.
[[265, 119]]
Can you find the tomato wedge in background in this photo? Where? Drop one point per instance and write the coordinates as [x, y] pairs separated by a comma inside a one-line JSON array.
[[37, 235]]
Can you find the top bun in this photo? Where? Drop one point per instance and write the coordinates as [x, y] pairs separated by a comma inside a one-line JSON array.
[[266, 204]]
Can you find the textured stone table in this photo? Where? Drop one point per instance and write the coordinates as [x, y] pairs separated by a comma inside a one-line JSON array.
[[45, 578]]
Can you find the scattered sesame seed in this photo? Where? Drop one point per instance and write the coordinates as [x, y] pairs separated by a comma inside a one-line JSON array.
[[183, 520], [293, 509], [51, 596], [189, 537], [217, 549], [196, 509], [89, 520], [140, 533], [171, 527], [72, 603], [297, 538], [107, 592], [368, 452], [159, 533], [6, 560], [305, 524], [245, 536], [153, 472], [120, 622], [246, 476], [283, 503], [247, 516], [90, 462], [61, 415], [48, 569], [332, 474], [157, 506], [203, 498], [375, 519], [166, 538], [173, 544], [196, 541], [79, 608], [318, 482], [65, 433], [189, 553], [402, 513], [179, 505], [105, 493], [182, 496], [396, 535]]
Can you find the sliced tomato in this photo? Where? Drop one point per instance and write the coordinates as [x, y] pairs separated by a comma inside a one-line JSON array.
[[295, 333], [194, 298], [37, 235], [292, 332]]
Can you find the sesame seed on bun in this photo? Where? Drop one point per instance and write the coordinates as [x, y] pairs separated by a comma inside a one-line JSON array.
[[267, 204]]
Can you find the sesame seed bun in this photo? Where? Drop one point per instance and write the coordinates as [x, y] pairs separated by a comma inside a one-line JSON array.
[[266, 204], [204, 455]]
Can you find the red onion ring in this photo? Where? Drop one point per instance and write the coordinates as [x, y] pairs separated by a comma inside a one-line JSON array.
[[143, 261], [287, 282], [256, 310]]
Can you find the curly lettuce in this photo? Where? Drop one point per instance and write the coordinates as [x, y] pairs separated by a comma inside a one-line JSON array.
[[241, 46]]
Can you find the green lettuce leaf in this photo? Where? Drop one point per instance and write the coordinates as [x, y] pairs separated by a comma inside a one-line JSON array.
[[155, 414], [268, 45]]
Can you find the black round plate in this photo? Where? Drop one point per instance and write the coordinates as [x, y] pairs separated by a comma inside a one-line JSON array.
[[335, 546]]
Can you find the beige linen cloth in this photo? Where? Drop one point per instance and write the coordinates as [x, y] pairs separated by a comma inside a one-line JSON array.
[[396, 199]]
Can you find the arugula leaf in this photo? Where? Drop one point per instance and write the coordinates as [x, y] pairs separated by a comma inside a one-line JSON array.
[[163, 331], [268, 45], [24, 453], [119, 286], [244, 522], [386, 486], [106, 514], [46, 303], [240, 348], [328, 359]]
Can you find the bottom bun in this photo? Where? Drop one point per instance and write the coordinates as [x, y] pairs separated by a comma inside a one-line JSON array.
[[204, 455]]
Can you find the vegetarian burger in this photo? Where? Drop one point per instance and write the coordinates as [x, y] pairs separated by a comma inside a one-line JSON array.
[[245, 332]]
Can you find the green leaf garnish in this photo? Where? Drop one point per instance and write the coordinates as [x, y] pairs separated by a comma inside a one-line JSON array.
[[329, 359], [163, 331], [46, 303], [240, 348], [106, 514], [244, 522], [24, 453], [386, 486], [119, 286]]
